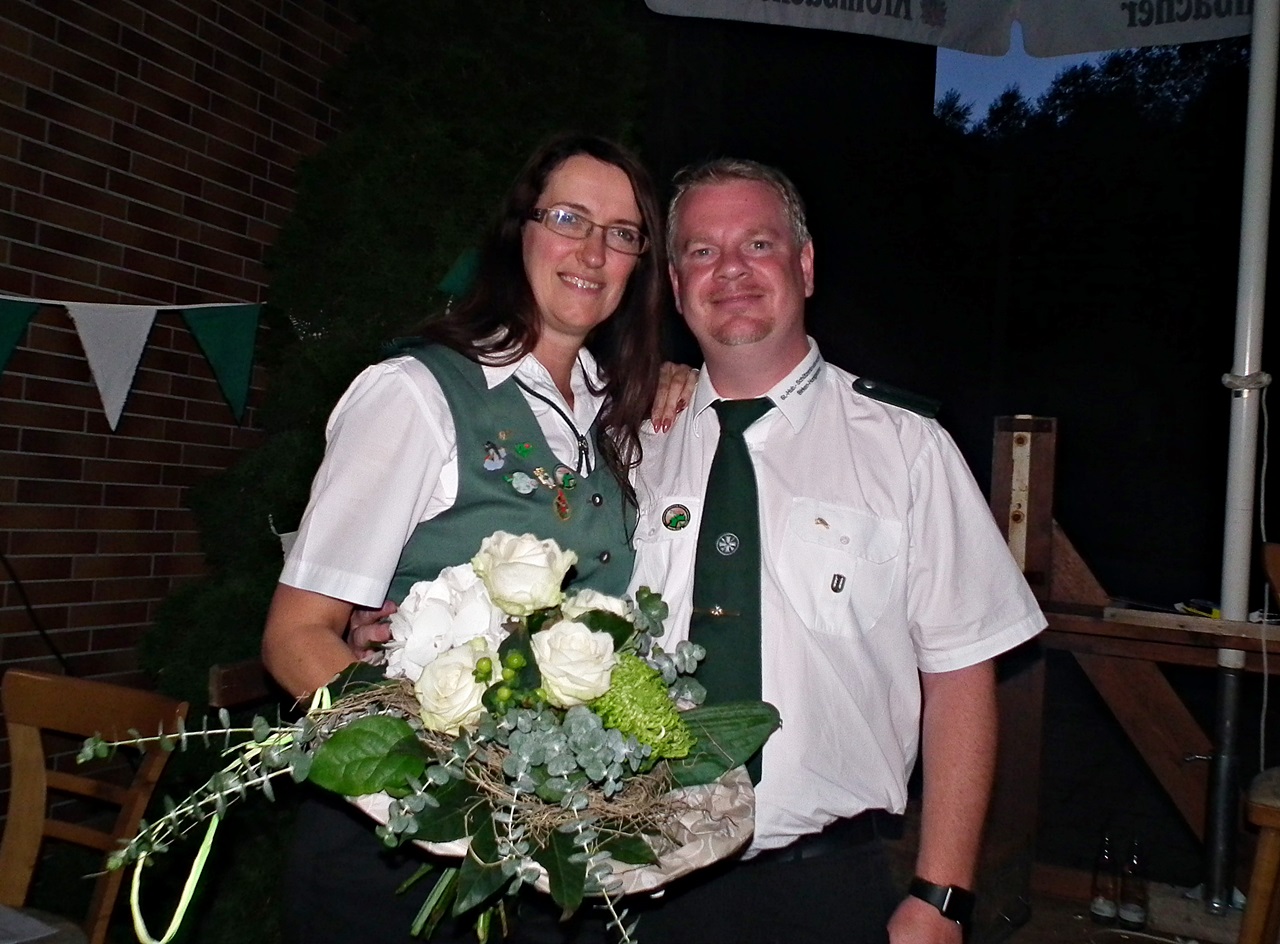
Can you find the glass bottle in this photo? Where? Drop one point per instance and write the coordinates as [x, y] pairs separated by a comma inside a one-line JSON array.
[[1131, 912], [1105, 896]]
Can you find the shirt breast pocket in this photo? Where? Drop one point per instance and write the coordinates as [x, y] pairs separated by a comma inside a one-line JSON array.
[[838, 565]]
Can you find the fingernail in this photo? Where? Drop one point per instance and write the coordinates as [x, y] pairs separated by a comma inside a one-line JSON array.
[[680, 405]]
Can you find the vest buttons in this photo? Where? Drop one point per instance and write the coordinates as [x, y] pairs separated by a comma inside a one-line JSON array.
[[604, 557], [597, 499]]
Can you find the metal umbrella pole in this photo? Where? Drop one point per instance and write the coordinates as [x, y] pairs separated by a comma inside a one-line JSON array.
[[1246, 381]]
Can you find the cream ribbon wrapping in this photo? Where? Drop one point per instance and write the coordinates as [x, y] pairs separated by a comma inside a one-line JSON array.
[[717, 821]]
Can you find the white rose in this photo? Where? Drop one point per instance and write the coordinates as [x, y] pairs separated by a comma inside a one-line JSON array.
[[522, 573], [575, 662], [438, 615], [448, 693], [585, 600]]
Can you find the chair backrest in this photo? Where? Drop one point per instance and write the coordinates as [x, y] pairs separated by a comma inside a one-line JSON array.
[[37, 701]]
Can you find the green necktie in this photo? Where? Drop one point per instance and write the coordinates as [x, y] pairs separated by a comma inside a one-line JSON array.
[[726, 575]]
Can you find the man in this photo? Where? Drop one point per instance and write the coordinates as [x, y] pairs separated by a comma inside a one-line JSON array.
[[886, 590]]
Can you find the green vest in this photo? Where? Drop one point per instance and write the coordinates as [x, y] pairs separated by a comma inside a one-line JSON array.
[[510, 480]]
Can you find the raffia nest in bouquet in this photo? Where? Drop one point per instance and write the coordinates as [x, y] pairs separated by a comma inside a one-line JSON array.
[[691, 827]]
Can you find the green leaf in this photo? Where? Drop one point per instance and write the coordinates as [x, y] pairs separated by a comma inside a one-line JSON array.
[[726, 736], [367, 756], [448, 821], [568, 879], [480, 877], [602, 621], [357, 677], [630, 850]]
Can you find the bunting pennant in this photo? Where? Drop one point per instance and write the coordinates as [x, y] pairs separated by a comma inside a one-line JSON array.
[[113, 337], [14, 317], [226, 336]]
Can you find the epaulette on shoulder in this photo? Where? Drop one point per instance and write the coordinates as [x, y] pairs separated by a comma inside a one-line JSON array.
[[896, 396]]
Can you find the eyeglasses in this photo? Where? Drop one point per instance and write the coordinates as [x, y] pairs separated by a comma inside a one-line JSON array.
[[617, 236]]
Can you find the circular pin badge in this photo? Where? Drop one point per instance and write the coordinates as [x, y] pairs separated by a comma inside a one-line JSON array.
[[522, 483], [675, 517], [727, 544]]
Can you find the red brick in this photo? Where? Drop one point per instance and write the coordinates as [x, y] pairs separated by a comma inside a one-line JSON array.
[[27, 122], [63, 163], [133, 473], [222, 83], [44, 416], [61, 393], [52, 542], [31, 466], [57, 213], [148, 49], [80, 245], [28, 70], [88, 198], [66, 60], [93, 45], [123, 11], [214, 215], [15, 282], [127, 612], [31, 645], [88, 146], [16, 227], [155, 100], [55, 592], [180, 37], [185, 565], [87, 19], [153, 218], [160, 267], [115, 519], [30, 569], [177, 521], [105, 665], [178, 132], [147, 239], [30, 17], [141, 496], [135, 542], [106, 566], [118, 637], [62, 443], [148, 404], [212, 412], [135, 287], [19, 175], [233, 243], [227, 175], [269, 192], [131, 424], [93, 96], [144, 450], [133, 588], [150, 145], [14, 618], [208, 258], [184, 15], [232, 156], [66, 112], [230, 45], [179, 86], [32, 517], [48, 492], [14, 38]]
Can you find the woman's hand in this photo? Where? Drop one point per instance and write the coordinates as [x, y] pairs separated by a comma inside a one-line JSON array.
[[676, 383], [367, 630]]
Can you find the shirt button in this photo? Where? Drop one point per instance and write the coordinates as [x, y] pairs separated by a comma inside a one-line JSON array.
[[604, 557], [597, 499]]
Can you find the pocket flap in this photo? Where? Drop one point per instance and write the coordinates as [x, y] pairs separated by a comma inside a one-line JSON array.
[[843, 529]]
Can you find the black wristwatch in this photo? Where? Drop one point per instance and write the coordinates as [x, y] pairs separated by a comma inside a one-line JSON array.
[[954, 902]]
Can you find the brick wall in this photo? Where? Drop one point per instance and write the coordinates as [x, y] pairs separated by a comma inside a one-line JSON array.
[[148, 153]]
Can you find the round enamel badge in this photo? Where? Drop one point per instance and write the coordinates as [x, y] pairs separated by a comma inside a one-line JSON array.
[[675, 517]]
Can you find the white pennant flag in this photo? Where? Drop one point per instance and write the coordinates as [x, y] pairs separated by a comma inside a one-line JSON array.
[[113, 337]]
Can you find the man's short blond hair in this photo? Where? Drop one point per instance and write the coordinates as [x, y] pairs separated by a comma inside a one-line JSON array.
[[726, 169]]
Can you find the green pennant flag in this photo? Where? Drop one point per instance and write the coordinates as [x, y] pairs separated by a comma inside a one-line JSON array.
[[226, 334], [14, 316]]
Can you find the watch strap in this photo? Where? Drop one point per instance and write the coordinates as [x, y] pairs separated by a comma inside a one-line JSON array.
[[952, 901]]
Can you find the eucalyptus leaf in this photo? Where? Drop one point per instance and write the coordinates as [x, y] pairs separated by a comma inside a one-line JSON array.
[[567, 878], [369, 755], [727, 735]]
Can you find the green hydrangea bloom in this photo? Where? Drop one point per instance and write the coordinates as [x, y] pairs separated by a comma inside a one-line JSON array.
[[637, 704]]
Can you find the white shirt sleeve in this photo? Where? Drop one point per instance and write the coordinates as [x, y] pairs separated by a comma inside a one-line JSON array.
[[390, 462]]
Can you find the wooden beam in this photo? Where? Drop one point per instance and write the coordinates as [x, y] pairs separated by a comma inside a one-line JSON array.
[[1160, 727]]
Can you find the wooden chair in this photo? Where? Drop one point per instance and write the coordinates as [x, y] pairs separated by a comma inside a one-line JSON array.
[[1261, 921], [35, 702]]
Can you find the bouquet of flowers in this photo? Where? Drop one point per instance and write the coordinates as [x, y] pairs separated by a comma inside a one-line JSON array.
[[543, 738]]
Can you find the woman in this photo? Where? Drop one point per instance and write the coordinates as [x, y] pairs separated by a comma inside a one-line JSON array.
[[521, 414]]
